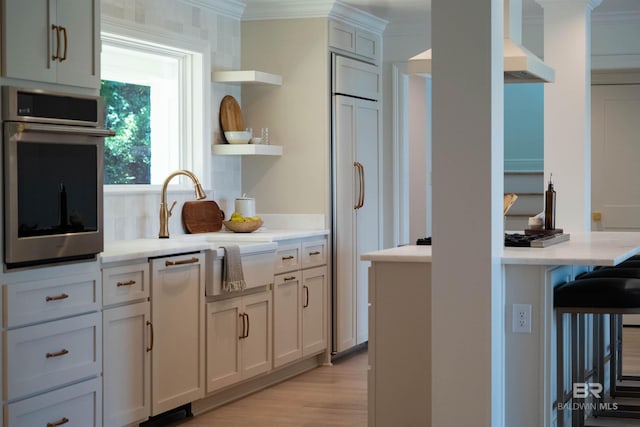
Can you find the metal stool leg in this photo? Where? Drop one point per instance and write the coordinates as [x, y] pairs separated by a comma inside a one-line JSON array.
[[560, 367]]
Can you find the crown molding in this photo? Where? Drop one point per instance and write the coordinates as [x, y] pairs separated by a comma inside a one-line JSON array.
[[229, 8], [334, 9]]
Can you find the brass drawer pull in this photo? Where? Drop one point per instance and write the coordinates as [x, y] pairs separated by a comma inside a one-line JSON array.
[[57, 297], [129, 283], [150, 325], [64, 420], [285, 258], [286, 279], [181, 262], [57, 353], [314, 253]]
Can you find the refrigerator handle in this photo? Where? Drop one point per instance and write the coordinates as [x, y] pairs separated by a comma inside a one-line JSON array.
[[360, 169]]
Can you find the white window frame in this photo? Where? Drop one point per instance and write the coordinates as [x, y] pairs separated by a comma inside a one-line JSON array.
[[195, 150]]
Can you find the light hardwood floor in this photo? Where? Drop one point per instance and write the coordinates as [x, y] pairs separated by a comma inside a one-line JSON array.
[[326, 396], [337, 396]]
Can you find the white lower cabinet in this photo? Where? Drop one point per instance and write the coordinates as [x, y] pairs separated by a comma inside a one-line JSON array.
[[287, 318], [314, 310], [127, 364], [127, 332], [177, 314], [52, 347], [300, 301], [238, 339], [153, 323]]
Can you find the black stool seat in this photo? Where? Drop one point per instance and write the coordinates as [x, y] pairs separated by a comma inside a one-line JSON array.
[[599, 293], [631, 262], [630, 272]]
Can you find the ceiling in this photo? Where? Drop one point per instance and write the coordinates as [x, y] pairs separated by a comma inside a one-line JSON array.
[[411, 12]]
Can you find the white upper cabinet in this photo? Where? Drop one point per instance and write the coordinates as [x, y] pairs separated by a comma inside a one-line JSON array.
[[53, 41], [355, 41]]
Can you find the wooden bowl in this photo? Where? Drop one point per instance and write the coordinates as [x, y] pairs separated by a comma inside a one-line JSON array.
[[243, 226]]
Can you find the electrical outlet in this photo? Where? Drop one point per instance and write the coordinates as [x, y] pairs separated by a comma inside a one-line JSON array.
[[521, 323]]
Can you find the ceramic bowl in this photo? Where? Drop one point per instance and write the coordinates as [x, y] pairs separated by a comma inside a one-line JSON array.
[[238, 137], [243, 226]]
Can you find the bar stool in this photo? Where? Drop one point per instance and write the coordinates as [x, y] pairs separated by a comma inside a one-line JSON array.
[[625, 269], [600, 294]]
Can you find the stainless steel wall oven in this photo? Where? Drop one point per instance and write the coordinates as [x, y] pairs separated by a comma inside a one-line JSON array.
[[53, 147]]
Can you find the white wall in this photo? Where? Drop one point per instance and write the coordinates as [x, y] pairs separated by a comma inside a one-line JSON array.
[[135, 215]]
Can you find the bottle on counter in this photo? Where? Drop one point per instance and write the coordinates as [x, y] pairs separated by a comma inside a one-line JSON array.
[[550, 206]]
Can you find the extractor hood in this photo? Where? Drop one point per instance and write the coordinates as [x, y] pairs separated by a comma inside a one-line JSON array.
[[520, 65]]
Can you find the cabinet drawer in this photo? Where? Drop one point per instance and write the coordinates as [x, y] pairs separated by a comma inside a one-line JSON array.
[[314, 253], [288, 257], [80, 404], [41, 357], [125, 284], [37, 301]]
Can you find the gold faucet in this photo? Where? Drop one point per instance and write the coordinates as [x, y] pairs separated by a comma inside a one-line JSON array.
[[166, 213]]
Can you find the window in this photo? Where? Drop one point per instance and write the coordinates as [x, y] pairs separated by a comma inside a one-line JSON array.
[[155, 101]]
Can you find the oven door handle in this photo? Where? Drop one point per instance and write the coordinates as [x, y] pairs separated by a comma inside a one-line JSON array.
[[62, 129]]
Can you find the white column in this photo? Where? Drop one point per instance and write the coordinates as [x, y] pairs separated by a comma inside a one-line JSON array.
[[467, 322], [567, 109]]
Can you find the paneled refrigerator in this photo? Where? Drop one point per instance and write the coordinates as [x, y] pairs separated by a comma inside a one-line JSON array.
[[356, 135]]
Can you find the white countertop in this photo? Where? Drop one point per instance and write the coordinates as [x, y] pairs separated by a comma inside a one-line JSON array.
[[123, 250], [594, 248]]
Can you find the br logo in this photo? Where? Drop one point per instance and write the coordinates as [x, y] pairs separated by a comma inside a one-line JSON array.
[[584, 390]]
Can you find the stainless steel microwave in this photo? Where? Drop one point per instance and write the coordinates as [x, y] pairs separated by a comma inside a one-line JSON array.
[[53, 147]]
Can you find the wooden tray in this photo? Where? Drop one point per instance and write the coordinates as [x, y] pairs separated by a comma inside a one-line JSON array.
[[230, 115], [202, 216]]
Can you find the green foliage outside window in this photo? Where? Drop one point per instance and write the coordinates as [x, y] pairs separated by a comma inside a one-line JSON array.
[[127, 155]]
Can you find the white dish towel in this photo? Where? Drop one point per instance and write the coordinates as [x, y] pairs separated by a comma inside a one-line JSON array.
[[232, 274]]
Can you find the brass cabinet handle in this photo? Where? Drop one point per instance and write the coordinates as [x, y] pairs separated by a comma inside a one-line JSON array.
[[362, 183], [314, 253], [288, 257], [57, 297], [360, 168], [64, 53], [181, 262], [129, 283], [289, 278], [60, 422], [150, 325], [241, 315], [57, 30], [57, 353], [306, 295], [247, 334]]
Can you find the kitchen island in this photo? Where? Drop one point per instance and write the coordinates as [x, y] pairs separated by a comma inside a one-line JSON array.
[[400, 344]]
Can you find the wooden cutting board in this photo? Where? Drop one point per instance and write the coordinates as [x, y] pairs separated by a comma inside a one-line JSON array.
[[202, 216], [230, 115]]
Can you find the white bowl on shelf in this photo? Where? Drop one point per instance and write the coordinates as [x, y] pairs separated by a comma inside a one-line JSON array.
[[237, 137]]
